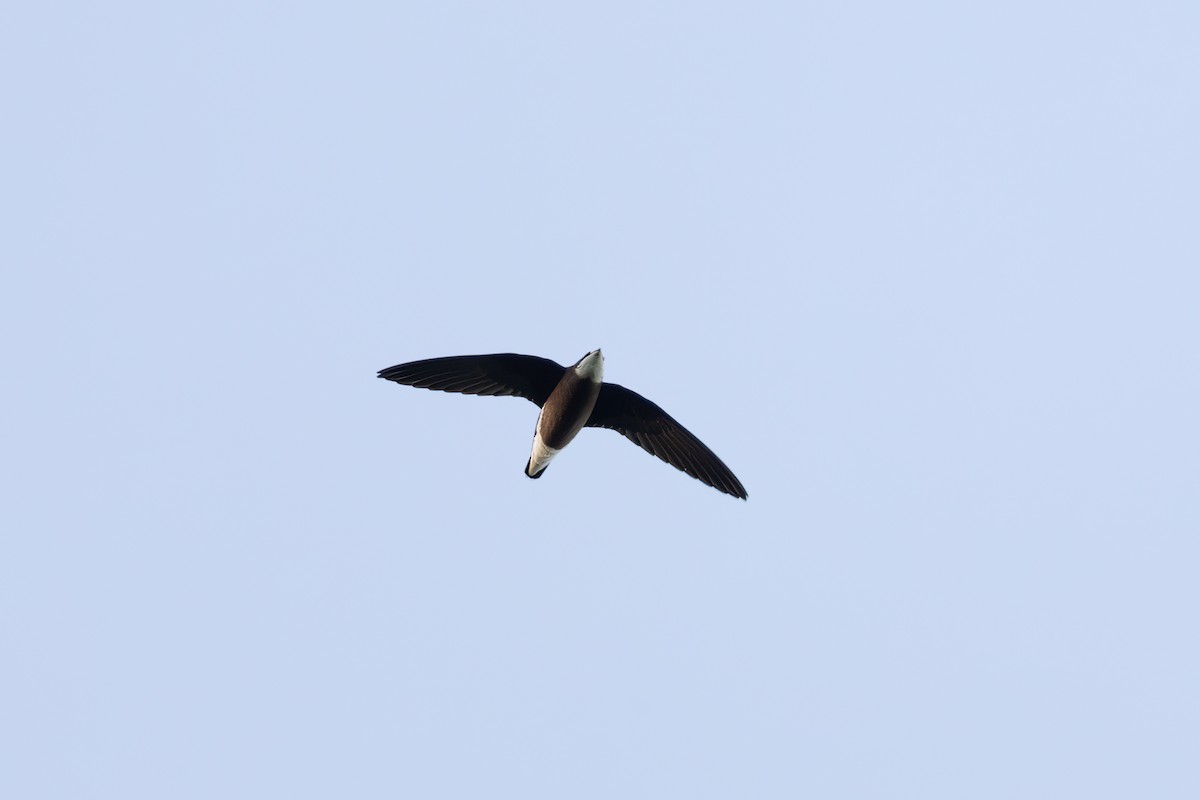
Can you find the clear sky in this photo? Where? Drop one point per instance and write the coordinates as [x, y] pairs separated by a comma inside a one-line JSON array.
[[925, 275]]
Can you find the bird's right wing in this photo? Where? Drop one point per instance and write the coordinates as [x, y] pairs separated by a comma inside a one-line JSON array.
[[501, 374]]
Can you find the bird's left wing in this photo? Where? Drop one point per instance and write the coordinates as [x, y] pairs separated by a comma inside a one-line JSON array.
[[500, 374], [653, 430]]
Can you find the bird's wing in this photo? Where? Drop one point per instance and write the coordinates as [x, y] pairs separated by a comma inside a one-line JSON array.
[[500, 374], [653, 430]]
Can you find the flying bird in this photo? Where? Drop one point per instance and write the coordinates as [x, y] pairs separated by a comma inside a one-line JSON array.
[[571, 399]]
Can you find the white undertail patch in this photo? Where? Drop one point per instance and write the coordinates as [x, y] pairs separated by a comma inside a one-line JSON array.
[[541, 455]]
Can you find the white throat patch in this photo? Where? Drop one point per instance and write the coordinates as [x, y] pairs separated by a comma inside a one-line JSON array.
[[591, 367]]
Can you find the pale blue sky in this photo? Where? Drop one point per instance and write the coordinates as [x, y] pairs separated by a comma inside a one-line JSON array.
[[924, 275]]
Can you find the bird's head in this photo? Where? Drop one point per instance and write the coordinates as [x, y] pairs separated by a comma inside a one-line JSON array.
[[591, 366]]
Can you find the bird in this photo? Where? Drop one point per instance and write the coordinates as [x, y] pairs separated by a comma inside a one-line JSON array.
[[571, 399]]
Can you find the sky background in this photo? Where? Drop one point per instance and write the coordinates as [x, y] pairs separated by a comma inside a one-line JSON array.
[[924, 275]]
